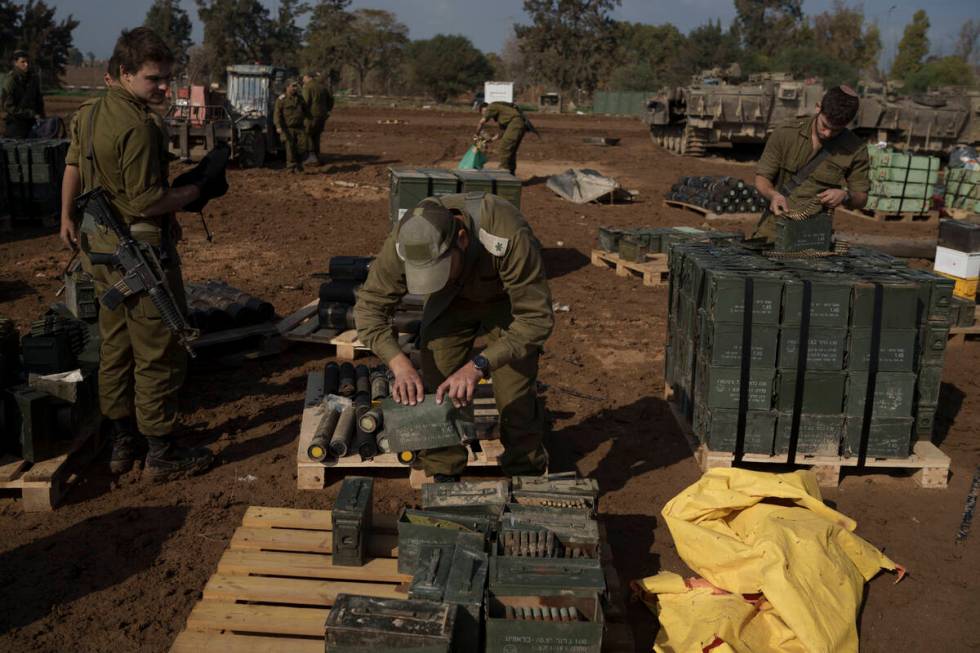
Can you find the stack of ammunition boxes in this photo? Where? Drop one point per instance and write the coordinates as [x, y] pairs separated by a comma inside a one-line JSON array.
[[634, 243], [338, 296], [962, 189], [80, 298], [901, 183], [958, 256], [215, 306], [32, 180], [409, 186], [873, 334], [718, 194], [493, 568]]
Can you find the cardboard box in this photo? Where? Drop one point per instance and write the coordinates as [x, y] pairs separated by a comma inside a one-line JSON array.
[[962, 265]]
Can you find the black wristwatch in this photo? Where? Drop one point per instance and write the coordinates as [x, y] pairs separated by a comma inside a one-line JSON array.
[[481, 363]]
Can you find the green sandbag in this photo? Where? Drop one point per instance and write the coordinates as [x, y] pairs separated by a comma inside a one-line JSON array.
[[473, 159]]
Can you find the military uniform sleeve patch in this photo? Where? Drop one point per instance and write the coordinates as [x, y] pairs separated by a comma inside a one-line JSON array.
[[494, 244]]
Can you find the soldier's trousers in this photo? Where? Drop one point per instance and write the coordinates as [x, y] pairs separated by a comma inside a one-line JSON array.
[[314, 132], [448, 346], [17, 128], [142, 365], [294, 140], [509, 143]]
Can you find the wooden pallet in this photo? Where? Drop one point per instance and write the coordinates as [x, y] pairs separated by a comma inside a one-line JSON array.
[[233, 346], [43, 485], [276, 582], [930, 464], [890, 216], [312, 475], [654, 272], [710, 215]]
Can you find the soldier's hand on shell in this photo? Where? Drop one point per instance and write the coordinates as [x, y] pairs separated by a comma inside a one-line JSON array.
[[460, 386]]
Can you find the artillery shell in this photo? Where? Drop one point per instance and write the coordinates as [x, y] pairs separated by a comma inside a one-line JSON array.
[[565, 614], [550, 544], [509, 612], [555, 614]]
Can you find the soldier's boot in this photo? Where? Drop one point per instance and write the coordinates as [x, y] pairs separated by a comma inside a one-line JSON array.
[[128, 445], [167, 461], [311, 160]]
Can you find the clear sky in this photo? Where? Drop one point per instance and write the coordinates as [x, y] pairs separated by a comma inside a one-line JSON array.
[[489, 23]]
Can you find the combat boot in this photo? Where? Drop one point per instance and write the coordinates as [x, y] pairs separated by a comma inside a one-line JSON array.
[[167, 462], [128, 445]]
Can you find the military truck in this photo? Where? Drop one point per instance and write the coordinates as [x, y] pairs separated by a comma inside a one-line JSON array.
[[717, 110], [929, 123], [241, 116]]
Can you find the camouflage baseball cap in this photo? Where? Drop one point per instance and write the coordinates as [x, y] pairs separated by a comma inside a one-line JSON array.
[[424, 242]]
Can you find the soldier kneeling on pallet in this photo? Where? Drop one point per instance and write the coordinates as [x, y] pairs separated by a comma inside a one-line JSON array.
[[808, 161], [477, 261]]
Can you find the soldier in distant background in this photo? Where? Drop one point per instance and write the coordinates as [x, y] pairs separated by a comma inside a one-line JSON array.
[[513, 126], [23, 104], [290, 117], [319, 101]]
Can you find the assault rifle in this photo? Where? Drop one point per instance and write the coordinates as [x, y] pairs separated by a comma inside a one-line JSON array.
[[139, 265]]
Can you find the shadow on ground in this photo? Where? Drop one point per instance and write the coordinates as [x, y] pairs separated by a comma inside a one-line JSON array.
[[88, 557], [559, 261]]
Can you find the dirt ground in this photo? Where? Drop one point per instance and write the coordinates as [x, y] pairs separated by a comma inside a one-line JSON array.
[[121, 564]]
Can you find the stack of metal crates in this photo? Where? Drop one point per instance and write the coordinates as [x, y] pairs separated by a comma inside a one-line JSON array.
[[962, 189], [494, 568], [32, 172], [875, 333], [901, 183], [409, 186], [634, 243]]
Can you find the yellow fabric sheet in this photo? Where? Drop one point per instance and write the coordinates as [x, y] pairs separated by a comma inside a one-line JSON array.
[[769, 535]]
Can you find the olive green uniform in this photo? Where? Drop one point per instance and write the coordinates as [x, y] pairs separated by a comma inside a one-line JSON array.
[[320, 102], [22, 101], [142, 364], [513, 126], [790, 147], [289, 117], [503, 294]]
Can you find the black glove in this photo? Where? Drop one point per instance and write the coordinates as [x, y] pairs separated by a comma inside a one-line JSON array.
[[208, 176]]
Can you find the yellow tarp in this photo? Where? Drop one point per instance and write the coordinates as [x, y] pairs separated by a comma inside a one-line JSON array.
[[767, 535]]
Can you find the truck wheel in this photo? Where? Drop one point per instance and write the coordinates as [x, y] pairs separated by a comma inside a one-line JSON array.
[[251, 150]]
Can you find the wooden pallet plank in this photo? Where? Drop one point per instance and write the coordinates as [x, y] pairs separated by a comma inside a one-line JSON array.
[[306, 565], [292, 591], [296, 541], [195, 642], [11, 468], [269, 619], [298, 518], [653, 272]]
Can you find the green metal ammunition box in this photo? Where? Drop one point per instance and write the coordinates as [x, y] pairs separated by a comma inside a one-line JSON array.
[[888, 437], [933, 343], [830, 303], [906, 176], [505, 185], [819, 435], [632, 249], [546, 576], [609, 238], [894, 394], [441, 182], [351, 518], [418, 527], [925, 422], [408, 188], [478, 497], [960, 235], [544, 532], [543, 624], [896, 350], [563, 490], [823, 392], [718, 428], [928, 384], [824, 352], [43, 424], [899, 305], [359, 624], [935, 294], [725, 296], [47, 354], [475, 181], [899, 189], [721, 343], [795, 235], [432, 572], [719, 387], [80, 295]]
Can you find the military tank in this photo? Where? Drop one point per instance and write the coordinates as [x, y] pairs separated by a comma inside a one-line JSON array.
[[929, 123], [717, 110]]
